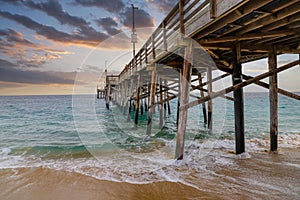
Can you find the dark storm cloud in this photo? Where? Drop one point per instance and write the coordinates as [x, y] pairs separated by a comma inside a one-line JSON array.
[[8, 73], [14, 37], [11, 1], [6, 64], [87, 36], [44, 30], [142, 18], [54, 9], [113, 6], [109, 25]]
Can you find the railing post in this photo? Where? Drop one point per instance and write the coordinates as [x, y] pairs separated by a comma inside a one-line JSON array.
[[213, 9], [153, 47], [181, 16], [165, 37], [146, 53]]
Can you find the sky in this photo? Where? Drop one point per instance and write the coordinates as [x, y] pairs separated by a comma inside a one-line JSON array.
[[45, 44]]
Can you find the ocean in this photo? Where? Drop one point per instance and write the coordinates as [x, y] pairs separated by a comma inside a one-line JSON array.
[[68, 146]]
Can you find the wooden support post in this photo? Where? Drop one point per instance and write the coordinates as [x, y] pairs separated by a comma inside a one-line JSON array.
[[165, 98], [107, 96], [202, 95], [137, 102], [129, 107], [273, 92], [179, 95], [184, 98], [142, 107], [151, 101], [210, 103], [149, 89], [125, 97], [161, 115], [121, 95], [133, 102], [145, 102], [238, 100], [168, 102]]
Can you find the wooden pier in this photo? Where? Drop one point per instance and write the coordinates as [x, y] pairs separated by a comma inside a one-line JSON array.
[[171, 61]]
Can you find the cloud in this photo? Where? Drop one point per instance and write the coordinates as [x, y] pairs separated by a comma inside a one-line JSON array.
[[54, 9], [25, 52], [109, 25], [114, 6], [7, 64], [15, 37], [9, 73], [11, 1], [142, 18], [164, 5], [87, 36]]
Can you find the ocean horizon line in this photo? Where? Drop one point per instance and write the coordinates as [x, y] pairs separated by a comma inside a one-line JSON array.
[[18, 95]]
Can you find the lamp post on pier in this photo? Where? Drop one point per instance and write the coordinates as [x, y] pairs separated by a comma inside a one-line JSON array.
[[133, 35]]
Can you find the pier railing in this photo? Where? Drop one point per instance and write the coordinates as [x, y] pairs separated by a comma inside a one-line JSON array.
[[112, 79], [183, 20]]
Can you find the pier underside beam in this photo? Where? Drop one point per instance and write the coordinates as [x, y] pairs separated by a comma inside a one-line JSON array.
[[273, 92], [239, 85], [238, 100], [184, 99], [280, 91]]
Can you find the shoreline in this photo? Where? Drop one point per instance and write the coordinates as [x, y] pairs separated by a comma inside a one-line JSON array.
[[226, 177]]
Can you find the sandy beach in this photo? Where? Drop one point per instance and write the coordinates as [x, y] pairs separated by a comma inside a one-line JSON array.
[[263, 176]]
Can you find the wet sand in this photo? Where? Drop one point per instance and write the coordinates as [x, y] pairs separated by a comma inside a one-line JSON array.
[[263, 176], [40, 183]]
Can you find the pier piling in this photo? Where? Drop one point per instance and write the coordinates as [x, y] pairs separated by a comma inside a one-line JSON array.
[[238, 100], [151, 101], [184, 98], [273, 93]]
